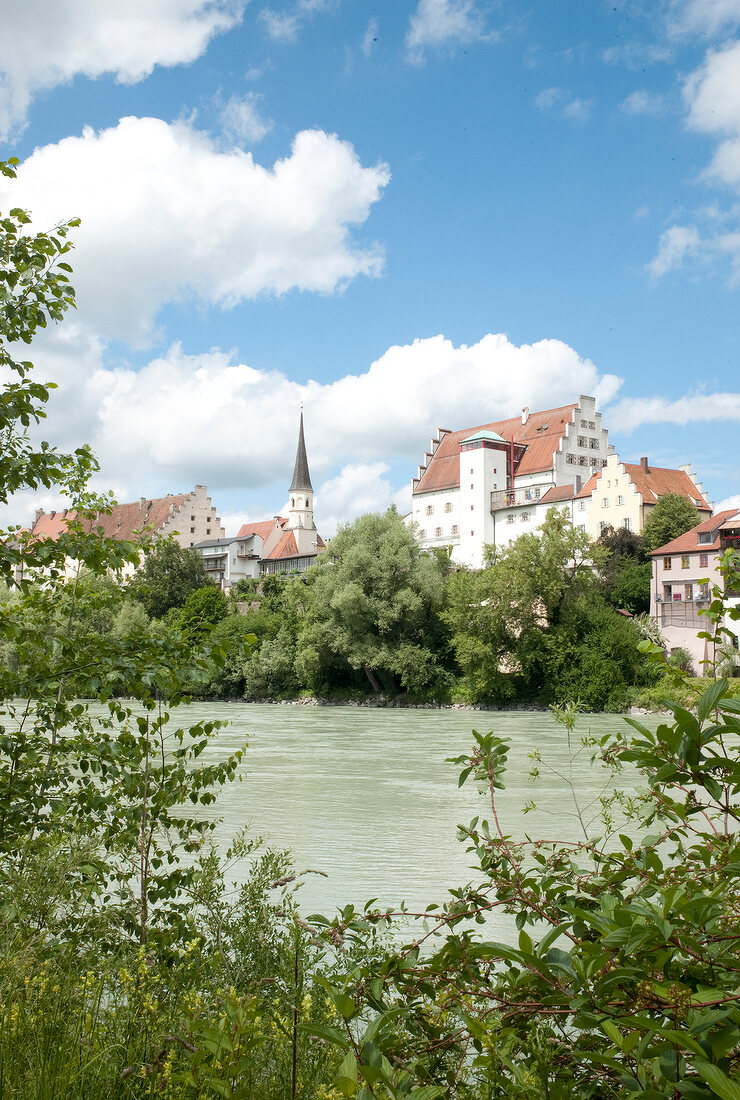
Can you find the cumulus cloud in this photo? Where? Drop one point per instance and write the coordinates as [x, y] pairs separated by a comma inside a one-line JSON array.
[[643, 102], [45, 43], [169, 216], [370, 37], [631, 413], [727, 503], [439, 23], [358, 488], [242, 118], [183, 419]]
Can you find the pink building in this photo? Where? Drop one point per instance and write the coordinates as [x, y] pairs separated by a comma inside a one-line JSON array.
[[684, 571]]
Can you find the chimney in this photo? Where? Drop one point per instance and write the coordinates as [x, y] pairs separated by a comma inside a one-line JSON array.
[[142, 502], [578, 484], [39, 514], [644, 464], [525, 414]]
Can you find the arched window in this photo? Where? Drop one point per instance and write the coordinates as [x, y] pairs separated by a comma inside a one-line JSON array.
[[292, 503]]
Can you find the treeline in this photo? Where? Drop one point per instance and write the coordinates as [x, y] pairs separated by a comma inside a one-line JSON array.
[[543, 623]]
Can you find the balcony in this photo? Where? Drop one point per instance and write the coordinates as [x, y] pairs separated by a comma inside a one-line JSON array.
[[517, 498]]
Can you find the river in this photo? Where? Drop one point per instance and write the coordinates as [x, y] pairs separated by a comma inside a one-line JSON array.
[[365, 796]]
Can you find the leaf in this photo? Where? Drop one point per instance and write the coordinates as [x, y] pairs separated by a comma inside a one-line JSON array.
[[710, 697], [718, 1081], [347, 1075]]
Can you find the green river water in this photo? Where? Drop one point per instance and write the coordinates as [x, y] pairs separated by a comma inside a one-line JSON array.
[[365, 796]]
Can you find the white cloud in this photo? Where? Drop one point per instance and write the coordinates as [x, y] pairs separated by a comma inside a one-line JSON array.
[[704, 17], [205, 418], [439, 23], [676, 244], [370, 37], [727, 503], [45, 43], [632, 413], [636, 55], [241, 118], [358, 488], [168, 216], [643, 102], [571, 107], [284, 25]]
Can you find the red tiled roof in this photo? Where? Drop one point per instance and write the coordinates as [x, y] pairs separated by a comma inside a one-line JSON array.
[[443, 471], [557, 492], [122, 522], [657, 482], [690, 540], [262, 528], [288, 548]]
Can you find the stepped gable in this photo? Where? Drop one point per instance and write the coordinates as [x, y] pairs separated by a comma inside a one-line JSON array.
[[541, 433], [126, 519], [653, 482], [50, 525], [690, 539]]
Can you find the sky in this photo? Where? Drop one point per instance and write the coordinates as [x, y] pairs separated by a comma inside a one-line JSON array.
[[403, 215]]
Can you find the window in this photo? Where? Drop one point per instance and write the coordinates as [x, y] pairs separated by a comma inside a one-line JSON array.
[[537, 494], [581, 527], [510, 517], [602, 525], [192, 530], [582, 460], [627, 523], [688, 591], [422, 534], [438, 531], [526, 517], [455, 529], [208, 530], [703, 561], [472, 506], [581, 505], [620, 500], [597, 461], [605, 502], [667, 593], [582, 441], [472, 486], [593, 444], [472, 534], [572, 459], [430, 509], [705, 536], [666, 563], [448, 506], [704, 590], [471, 473], [685, 561], [192, 519]]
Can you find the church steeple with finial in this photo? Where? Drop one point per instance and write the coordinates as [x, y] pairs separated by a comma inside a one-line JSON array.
[[300, 512]]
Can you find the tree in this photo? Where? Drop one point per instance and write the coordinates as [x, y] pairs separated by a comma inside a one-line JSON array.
[[374, 602], [168, 576], [498, 615], [673, 515]]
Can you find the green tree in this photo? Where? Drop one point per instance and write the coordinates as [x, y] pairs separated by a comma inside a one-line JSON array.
[[374, 603], [168, 575], [498, 615], [673, 515], [204, 609]]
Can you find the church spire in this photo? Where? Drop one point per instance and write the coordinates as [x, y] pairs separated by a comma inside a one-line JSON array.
[[301, 477]]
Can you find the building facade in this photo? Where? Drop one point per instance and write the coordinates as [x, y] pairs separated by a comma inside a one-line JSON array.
[[622, 494], [684, 571], [489, 484]]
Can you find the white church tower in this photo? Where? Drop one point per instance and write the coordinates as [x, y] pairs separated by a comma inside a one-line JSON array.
[[300, 512]]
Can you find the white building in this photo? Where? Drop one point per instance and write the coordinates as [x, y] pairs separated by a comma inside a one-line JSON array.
[[489, 484]]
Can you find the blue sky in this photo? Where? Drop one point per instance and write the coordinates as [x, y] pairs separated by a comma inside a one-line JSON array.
[[410, 215]]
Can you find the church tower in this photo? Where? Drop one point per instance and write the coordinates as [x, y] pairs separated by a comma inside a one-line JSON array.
[[300, 512]]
